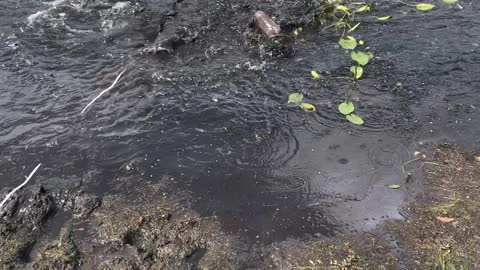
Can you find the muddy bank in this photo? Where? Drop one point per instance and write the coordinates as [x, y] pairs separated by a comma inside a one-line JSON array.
[[118, 232], [111, 233]]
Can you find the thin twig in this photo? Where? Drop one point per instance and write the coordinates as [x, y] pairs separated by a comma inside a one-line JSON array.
[[406, 172], [19, 187], [104, 91]]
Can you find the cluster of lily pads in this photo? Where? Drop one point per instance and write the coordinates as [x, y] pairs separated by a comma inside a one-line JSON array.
[[344, 21], [297, 98]]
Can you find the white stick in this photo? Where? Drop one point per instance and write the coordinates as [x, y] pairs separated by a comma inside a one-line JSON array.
[[104, 91], [19, 187]]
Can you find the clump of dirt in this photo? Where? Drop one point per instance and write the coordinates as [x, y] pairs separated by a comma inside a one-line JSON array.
[[440, 230], [119, 234], [157, 236], [60, 255], [11, 250]]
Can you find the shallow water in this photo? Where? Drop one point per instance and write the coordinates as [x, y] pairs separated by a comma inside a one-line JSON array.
[[210, 123]]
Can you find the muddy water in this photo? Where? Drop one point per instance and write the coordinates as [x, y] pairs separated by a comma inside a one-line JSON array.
[[209, 122]]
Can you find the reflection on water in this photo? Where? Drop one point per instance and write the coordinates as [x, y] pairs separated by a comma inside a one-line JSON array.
[[210, 121]]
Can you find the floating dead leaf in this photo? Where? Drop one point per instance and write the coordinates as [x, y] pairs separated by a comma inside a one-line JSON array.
[[445, 219]]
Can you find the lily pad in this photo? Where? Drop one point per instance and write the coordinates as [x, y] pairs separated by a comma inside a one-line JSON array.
[[357, 72], [348, 43], [424, 6], [346, 108], [450, 2], [295, 98], [360, 57], [355, 119], [308, 107]]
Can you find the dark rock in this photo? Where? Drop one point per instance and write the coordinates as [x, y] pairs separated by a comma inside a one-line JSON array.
[[20, 223], [84, 204], [28, 208]]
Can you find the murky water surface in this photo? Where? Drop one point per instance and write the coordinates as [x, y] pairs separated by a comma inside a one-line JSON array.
[[209, 122]]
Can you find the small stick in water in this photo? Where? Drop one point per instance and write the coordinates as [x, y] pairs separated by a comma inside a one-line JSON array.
[[104, 91], [19, 187]]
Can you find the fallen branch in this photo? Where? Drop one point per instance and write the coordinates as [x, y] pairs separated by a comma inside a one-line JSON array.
[[19, 187], [104, 91]]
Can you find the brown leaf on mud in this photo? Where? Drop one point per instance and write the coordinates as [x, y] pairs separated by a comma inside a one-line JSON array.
[[477, 158], [445, 219]]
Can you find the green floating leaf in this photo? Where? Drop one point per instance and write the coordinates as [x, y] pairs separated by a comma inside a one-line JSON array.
[[363, 8], [424, 6], [361, 43], [394, 186], [384, 18], [346, 108], [357, 72], [360, 57], [450, 2], [354, 28], [308, 107], [295, 98], [315, 74], [357, 120], [348, 43]]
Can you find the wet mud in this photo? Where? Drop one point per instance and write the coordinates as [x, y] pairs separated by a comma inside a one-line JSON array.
[[199, 123]]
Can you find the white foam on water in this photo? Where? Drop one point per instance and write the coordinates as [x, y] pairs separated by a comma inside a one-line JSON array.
[[42, 13], [56, 2], [120, 5], [32, 18]]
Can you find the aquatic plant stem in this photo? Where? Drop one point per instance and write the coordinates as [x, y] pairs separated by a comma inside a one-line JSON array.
[[104, 91], [19, 187]]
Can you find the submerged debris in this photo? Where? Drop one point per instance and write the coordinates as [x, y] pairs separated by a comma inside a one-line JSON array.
[[266, 24], [280, 45]]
